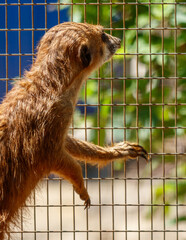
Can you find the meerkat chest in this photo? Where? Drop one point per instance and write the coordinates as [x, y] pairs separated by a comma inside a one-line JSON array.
[[57, 123], [59, 115]]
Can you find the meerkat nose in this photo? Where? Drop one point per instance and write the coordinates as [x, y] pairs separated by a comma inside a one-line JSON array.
[[118, 42]]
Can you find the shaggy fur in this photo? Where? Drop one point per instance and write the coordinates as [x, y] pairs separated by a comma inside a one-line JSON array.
[[36, 114]]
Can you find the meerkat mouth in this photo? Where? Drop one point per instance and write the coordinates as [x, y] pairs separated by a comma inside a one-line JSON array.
[[114, 47]]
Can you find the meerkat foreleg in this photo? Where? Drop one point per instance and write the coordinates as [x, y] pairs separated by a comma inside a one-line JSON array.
[[91, 153]]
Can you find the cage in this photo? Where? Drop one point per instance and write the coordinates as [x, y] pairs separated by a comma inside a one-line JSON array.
[[139, 95]]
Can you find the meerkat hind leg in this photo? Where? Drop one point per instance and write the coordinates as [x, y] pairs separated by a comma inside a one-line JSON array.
[[71, 170]]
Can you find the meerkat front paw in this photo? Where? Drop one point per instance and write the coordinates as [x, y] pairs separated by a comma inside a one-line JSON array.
[[131, 150]]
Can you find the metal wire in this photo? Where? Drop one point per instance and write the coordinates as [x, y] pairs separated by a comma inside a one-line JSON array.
[[138, 178]]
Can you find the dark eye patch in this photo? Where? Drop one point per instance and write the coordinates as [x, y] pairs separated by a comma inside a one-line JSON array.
[[104, 37], [85, 55]]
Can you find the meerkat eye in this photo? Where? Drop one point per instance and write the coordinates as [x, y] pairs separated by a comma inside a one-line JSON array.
[[104, 37]]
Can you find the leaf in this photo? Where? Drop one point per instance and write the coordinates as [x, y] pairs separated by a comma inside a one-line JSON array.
[[62, 7], [180, 219], [181, 15]]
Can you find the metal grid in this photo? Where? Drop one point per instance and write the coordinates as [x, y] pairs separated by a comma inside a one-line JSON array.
[[94, 227]]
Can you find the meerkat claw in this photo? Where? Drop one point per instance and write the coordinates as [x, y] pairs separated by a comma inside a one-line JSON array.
[[87, 204], [138, 151], [143, 153], [145, 156]]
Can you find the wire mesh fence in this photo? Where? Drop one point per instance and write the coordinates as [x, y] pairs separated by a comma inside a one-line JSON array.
[[138, 96]]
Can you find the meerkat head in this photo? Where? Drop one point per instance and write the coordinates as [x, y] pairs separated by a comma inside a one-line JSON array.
[[96, 47], [80, 47]]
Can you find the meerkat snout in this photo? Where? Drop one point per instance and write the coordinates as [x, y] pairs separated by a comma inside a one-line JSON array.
[[111, 45]]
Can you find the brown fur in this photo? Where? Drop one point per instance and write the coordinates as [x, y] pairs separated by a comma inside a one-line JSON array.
[[36, 114]]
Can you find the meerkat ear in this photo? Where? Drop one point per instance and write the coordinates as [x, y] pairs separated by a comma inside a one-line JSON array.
[[85, 55]]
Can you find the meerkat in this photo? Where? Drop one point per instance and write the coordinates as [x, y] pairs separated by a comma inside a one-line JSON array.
[[35, 116]]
